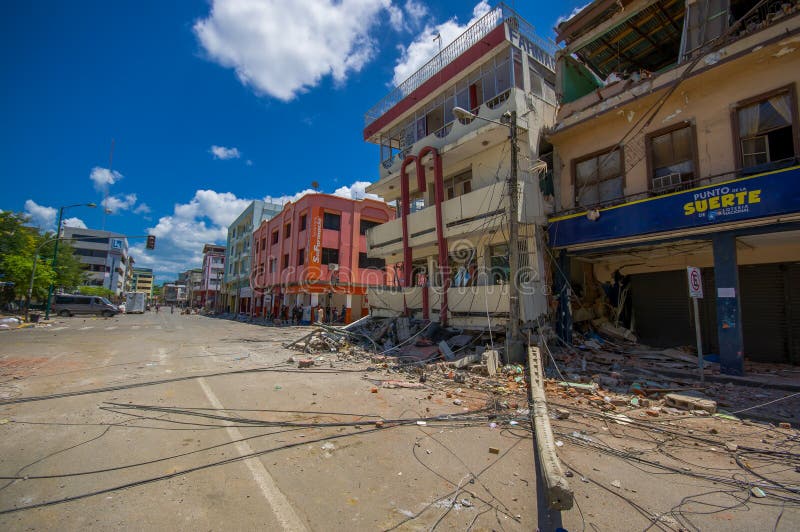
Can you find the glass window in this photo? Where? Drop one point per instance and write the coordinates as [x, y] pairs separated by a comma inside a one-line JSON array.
[[598, 179], [275, 237], [372, 264], [498, 264], [332, 221], [330, 256], [303, 222], [287, 231], [286, 261], [366, 225], [766, 130], [672, 159], [301, 256]]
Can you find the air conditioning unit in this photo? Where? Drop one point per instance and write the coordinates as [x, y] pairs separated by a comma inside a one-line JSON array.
[[666, 181], [333, 267]]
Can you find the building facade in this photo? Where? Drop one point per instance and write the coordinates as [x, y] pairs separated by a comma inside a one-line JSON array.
[[315, 253], [236, 282], [449, 174], [174, 294], [104, 256], [677, 145], [194, 285], [143, 279], [213, 270]]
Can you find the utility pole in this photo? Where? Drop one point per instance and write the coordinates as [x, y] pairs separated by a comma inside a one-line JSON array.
[[515, 351]]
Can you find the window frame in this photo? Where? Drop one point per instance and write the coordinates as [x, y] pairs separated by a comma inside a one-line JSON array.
[[328, 251], [330, 213], [593, 155], [303, 221], [362, 231], [737, 141], [648, 144]]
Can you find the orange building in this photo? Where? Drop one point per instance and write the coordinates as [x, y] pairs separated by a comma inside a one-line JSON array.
[[314, 253]]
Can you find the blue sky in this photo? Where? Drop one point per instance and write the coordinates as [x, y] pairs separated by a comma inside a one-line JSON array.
[[209, 105]]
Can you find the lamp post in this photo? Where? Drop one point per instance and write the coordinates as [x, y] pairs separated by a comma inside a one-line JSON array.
[[55, 250], [515, 350]]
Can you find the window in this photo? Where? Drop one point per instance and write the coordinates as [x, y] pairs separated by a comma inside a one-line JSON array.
[[275, 237], [303, 222], [301, 256], [458, 185], [330, 256], [498, 263], [671, 158], [287, 230], [273, 264], [332, 221], [767, 129], [598, 178], [372, 264], [286, 261], [366, 225]]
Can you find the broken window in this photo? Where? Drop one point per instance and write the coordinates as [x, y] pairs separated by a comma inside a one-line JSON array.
[[671, 158], [766, 130], [598, 178]]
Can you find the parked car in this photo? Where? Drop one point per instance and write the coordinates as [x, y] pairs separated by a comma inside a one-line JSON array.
[[72, 304]]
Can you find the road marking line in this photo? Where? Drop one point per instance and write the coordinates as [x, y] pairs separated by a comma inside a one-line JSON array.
[[58, 328], [86, 328], [282, 509], [135, 327], [111, 328]]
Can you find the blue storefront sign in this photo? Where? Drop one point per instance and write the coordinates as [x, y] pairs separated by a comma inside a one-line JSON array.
[[758, 196]]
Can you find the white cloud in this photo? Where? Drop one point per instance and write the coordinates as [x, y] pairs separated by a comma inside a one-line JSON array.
[[119, 203], [574, 12], [103, 177], [74, 222], [143, 208], [282, 50], [415, 11], [355, 191], [41, 216], [423, 48], [221, 152]]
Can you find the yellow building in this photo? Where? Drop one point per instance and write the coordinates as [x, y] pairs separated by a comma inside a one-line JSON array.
[[677, 145], [143, 281]]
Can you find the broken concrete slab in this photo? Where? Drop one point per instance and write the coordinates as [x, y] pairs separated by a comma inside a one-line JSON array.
[[690, 402]]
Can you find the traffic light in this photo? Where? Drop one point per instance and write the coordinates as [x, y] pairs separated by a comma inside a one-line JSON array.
[[151, 242]]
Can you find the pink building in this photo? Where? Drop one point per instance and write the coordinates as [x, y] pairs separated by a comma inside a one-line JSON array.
[[315, 253]]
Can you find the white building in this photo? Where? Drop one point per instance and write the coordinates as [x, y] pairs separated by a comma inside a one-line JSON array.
[[103, 254], [450, 176]]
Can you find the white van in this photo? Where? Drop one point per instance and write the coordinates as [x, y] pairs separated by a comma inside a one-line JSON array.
[[71, 304]]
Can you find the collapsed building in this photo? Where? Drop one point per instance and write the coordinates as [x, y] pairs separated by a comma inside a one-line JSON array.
[[676, 144]]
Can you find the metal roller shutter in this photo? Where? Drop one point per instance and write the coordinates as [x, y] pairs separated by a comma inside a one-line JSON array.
[[793, 310], [661, 309], [764, 320]]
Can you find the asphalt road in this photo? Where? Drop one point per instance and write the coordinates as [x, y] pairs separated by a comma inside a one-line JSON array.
[[163, 421]]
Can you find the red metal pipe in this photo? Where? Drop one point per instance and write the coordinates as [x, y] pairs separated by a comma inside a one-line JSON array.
[[438, 182], [404, 212]]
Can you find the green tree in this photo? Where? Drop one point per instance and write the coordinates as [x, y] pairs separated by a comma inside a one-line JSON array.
[[17, 269], [96, 291]]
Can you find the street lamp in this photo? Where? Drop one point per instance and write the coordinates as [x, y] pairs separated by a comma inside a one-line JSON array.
[[55, 250], [514, 341]]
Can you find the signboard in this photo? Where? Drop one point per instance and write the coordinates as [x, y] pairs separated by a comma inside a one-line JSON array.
[[315, 244], [116, 246], [695, 282], [769, 194]]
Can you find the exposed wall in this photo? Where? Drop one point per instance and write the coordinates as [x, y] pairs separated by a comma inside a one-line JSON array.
[[705, 100]]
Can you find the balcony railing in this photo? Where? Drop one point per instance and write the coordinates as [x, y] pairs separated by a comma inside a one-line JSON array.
[[461, 44]]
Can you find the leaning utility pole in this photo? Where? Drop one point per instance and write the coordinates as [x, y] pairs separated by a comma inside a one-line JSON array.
[[514, 347]]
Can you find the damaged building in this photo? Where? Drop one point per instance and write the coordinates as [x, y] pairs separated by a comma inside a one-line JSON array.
[[676, 145], [445, 159]]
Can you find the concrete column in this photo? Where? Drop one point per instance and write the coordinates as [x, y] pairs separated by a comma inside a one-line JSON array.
[[348, 313], [729, 308]]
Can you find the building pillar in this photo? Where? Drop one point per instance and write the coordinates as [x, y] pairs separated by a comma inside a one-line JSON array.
[[729, 308], [348, 313]]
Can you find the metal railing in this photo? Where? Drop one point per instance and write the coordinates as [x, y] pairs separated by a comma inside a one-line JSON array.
[[494, 18]]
